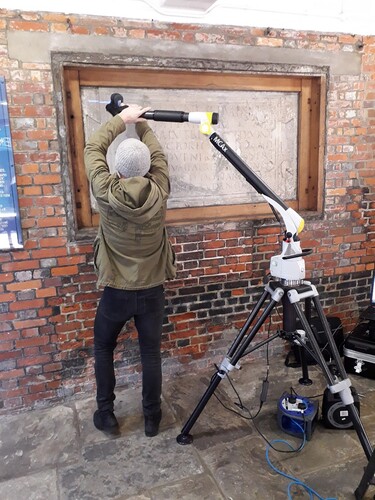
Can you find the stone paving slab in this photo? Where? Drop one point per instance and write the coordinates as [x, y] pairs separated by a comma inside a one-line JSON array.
[[37, 439], [39, 486], [341, 443], [200, 487], [340, 480], [57, 454], [126, 466], [326, 447], [241, 470], [215, 424], [128, 410], [338, 445], [248, 379]]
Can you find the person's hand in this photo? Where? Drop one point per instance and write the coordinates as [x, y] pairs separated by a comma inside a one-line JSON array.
[[132, 113]]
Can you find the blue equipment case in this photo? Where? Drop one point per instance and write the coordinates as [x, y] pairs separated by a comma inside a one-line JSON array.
[[297, 415]]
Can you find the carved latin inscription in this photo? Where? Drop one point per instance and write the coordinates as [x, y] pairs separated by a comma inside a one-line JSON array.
[[261, 127]]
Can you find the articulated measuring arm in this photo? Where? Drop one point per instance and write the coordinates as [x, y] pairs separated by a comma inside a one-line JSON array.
[[289, 265]]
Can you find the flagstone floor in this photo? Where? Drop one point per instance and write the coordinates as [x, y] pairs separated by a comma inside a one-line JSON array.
[[57, 454]]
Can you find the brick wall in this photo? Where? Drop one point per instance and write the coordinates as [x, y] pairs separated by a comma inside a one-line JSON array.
[[48, 293]]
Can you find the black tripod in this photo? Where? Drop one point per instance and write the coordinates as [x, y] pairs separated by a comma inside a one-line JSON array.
[[291, 297]]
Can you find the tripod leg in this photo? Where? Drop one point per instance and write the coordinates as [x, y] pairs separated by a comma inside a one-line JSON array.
[[346, 395], [305, 380], [367, 479], [237, 341], [335, 386], [330, 339], [235, 352], [290, 326], [368, 475], [185, 437]]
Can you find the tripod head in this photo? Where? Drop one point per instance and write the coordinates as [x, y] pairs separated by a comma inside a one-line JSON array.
[[289, 266]]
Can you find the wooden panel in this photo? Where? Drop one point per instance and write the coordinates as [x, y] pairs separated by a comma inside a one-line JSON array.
[[77, 144], [135, 77], [248, 211], [314, 146], [317, 141], [311, 131], [304, 147]]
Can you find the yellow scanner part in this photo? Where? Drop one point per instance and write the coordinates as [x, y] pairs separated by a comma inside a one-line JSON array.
[[205, 126]]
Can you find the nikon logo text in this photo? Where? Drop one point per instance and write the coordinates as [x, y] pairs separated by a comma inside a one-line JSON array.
[[221, 144]]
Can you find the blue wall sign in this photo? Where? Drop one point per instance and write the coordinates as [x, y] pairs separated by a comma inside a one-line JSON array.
[[10, 225]]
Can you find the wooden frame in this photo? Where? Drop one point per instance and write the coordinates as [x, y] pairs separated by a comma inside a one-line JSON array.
[[310, 131]]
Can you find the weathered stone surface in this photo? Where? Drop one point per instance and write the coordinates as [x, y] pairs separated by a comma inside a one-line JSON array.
[[241, 470], [40, 486], [57, 454], [200, 487], [32, 441], [340, 481], [127, 466], [215, 423], [33, 47], [128, 410], [200, 176]]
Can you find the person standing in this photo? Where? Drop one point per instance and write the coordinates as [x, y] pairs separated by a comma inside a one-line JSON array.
[[132, 257]]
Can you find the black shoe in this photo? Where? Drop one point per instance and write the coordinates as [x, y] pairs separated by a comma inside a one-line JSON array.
[[106, 421], [152, 424]]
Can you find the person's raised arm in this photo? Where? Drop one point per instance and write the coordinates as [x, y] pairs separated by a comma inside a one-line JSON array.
[[159, 165]]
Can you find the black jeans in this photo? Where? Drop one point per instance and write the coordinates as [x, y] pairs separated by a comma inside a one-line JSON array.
[[116, 307]]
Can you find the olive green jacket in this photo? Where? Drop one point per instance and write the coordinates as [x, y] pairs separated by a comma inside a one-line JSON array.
[[132, 250]]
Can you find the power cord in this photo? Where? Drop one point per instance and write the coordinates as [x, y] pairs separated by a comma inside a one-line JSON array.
[[294, 481], [264, 392], [239, 403], [270, 444], [253, 417]]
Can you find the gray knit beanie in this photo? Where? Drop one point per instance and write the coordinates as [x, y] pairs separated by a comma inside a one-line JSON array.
[[132, 158]]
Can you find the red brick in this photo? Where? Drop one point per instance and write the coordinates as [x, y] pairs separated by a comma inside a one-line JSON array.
[[21, 265], [21, 305], [6, 347], [7, 297], [51, 222], [29, 323], [11, 374], [24, 285], [35, 360], [64, 271], [46, 292], [29, 399], [6, 277], [53, 242]]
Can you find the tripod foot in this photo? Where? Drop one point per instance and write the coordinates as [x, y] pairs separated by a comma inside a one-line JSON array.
[[184, 439], [305, 381]]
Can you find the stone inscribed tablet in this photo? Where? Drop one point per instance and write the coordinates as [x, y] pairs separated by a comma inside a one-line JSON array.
[[261, 127]]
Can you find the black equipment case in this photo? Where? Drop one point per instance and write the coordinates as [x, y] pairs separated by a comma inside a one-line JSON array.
[[293, 358], [359, 350]]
